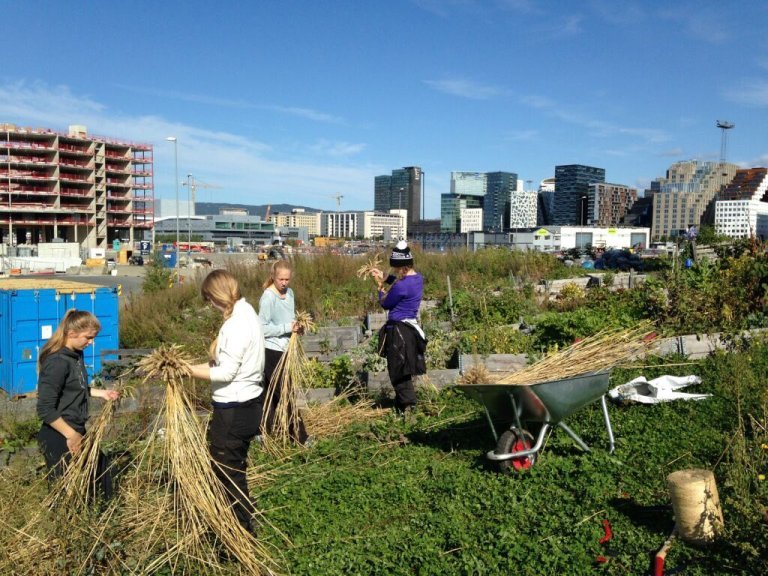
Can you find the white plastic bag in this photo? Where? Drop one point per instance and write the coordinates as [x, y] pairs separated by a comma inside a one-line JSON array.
[[661, 389]]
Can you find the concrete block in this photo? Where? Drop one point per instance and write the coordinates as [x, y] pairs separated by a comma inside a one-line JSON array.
[[695, 347], [375, 320], [494, 362], [439, 378], [317, 396]]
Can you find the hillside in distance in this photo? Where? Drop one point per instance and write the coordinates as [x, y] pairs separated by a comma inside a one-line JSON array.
[[213, 208]]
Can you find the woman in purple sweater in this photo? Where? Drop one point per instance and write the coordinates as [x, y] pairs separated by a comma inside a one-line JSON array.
[[401, 339]]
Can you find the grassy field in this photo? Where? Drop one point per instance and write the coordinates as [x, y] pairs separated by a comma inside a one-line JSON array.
[[391, 496]]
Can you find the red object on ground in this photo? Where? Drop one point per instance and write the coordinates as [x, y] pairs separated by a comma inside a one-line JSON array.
[[607, 535]]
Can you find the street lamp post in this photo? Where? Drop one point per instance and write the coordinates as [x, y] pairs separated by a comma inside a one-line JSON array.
[[190, 183], [423, 193], [582, 211], [176, 177]]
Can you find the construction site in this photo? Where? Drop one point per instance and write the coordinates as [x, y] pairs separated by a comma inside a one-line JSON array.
[[72, 187]]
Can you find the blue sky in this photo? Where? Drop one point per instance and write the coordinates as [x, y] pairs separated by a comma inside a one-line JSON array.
[[298, 101]]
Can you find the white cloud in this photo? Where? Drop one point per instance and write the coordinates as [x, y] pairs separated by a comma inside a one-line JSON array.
[[672, 153], [464, 88], [752, 93], [619, 12], [704, 23], [569, 25], [522, 135], [329, 148], [593, 126], [307, 113], [247, 170], [207, 100]]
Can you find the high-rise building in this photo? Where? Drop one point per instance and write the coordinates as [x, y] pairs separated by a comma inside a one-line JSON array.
[[683, 196], [497, 202], [572, 192], [90, 190], [399, 191], [608, 204], [742, 210], [523, 209], [490, 191]]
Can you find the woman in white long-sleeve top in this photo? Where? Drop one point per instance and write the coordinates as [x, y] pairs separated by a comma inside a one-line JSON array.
[[236, 371]]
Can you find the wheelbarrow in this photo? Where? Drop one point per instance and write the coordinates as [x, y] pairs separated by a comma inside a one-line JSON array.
[[546, 404]]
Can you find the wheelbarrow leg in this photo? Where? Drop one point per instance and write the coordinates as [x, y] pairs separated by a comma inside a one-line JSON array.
[[611, 442], [574, 436], [490, 423]]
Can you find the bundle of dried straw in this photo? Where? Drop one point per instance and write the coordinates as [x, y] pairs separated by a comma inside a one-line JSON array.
[[191, 498], [373, 264], [286, 381], [598, 353]]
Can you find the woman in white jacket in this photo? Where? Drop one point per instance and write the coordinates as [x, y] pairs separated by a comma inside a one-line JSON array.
[[236, 371]]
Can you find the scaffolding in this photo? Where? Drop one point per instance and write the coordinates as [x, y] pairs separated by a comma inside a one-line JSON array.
[[69, 186]]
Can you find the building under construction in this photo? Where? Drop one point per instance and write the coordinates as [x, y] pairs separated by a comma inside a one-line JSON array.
[[74, 187]]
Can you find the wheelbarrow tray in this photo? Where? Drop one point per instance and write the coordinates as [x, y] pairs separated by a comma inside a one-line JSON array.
[[548, 402]]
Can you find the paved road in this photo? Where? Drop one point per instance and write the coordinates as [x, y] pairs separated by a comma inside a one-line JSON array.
[[132, 277]]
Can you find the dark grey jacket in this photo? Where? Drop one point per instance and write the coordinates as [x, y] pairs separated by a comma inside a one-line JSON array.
[[62, 389]]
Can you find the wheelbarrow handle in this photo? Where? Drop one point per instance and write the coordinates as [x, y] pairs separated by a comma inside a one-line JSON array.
[[522, 453]]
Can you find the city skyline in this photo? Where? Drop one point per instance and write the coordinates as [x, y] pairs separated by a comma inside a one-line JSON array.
[[301, 103]]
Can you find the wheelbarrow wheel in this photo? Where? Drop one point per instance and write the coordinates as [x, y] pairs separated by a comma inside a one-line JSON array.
[[515, 441]]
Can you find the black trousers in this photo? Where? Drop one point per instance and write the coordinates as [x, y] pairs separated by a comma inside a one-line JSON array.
[[53, 445], [271, 360], [405, 394], [230, 432]]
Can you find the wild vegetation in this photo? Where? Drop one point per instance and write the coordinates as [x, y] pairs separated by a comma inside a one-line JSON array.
[[417, 496]]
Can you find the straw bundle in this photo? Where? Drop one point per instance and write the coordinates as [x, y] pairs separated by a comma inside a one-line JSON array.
[[171, 512], [332, 418], [66, 515], [82, 474], [168, 364], [597, 353], [372, 264], [290, 371], [477, 374], [190, 498]]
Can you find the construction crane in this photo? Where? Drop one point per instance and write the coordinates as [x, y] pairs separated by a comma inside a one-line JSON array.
[[193, 185], [338, 198]]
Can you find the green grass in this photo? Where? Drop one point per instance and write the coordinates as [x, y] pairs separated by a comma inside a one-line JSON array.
[[420, 498]]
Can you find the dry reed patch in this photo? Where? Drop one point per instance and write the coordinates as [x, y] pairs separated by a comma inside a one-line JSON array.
[[598, 353], [333, 418]]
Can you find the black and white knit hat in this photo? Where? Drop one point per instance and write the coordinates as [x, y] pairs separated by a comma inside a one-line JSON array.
[[401, 255]]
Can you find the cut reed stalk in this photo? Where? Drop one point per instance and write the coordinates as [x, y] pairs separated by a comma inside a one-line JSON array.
[[373, 264]]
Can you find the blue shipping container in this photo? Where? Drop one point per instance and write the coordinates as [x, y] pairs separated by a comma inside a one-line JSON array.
[[30, 311], [169, 258]]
